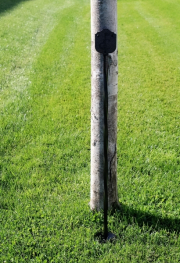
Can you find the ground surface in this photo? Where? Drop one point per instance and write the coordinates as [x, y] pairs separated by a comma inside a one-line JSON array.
[[45, 133]]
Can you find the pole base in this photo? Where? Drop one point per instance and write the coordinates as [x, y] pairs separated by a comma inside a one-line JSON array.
[[102, 239]]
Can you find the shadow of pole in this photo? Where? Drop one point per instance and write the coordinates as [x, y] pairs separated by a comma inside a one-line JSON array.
[[142, 218]]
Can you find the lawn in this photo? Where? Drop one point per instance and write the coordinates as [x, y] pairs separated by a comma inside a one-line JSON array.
[[45, 133]]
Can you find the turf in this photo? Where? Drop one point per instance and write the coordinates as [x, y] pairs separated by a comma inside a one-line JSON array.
[[45, 133]]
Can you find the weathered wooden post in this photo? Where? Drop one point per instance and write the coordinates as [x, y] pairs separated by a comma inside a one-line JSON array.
[[103, 17]]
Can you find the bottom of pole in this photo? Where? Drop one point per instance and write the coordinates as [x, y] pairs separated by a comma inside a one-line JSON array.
[[102, 239]]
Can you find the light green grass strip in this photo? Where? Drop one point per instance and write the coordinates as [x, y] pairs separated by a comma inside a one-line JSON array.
[[24, 30]]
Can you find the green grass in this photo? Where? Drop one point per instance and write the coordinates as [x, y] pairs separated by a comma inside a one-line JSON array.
[[45, 133]]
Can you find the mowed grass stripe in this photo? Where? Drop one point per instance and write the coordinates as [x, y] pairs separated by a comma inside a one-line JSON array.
[[148, 110], [155, 75], [24, 47], [22, 39], [45, 106], [42, 159]]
